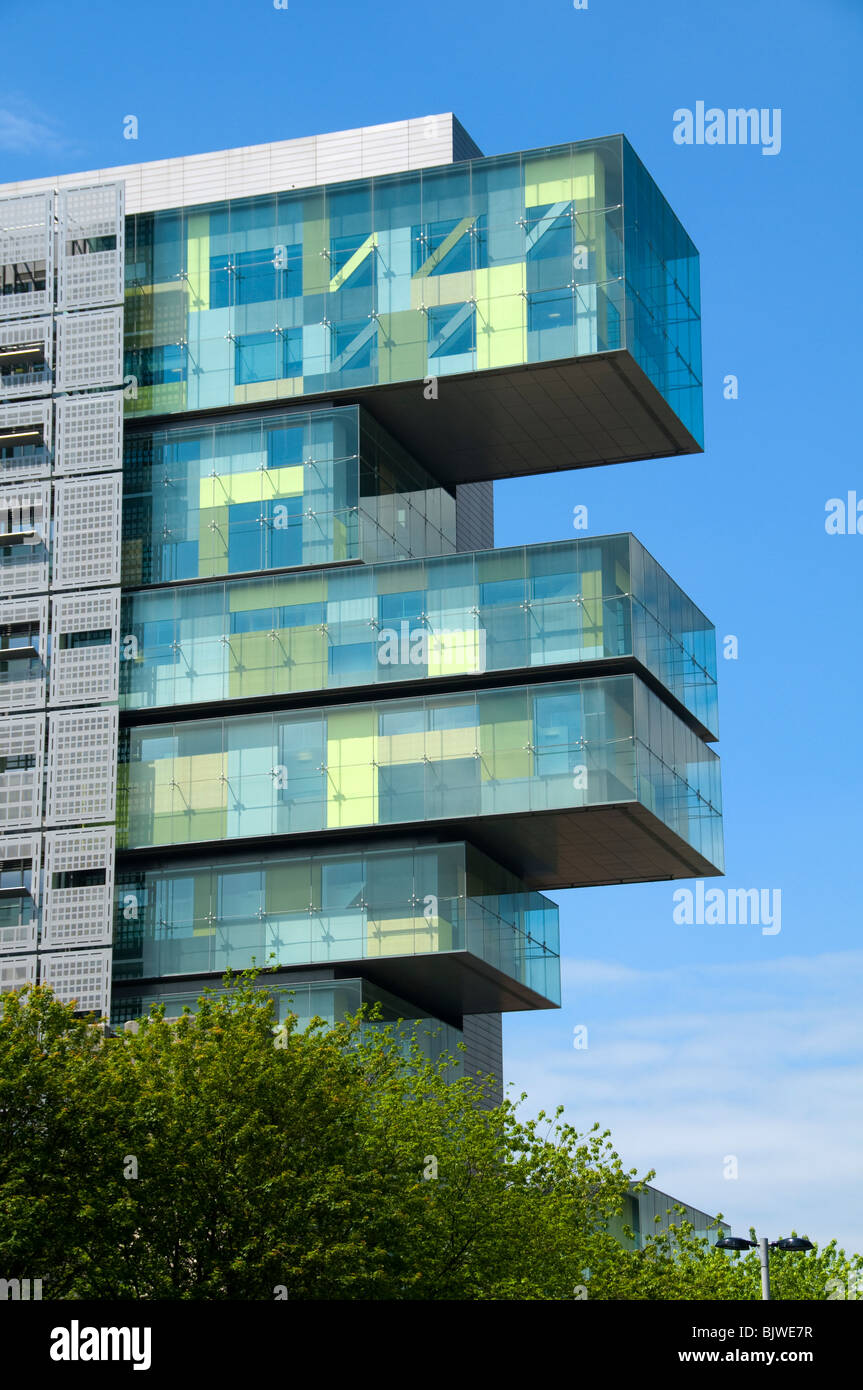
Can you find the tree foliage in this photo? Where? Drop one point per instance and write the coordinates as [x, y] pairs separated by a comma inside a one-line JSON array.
[[214, 1157]]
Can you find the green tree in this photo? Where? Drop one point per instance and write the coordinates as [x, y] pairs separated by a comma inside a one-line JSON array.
[[216, 1157]]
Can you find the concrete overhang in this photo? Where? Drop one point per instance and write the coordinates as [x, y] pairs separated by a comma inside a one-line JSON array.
[[543, 417]]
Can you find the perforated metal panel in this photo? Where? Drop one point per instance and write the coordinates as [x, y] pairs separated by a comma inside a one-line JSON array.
[[24, 684], [26, 255], [81, 975], [82, 766], [90, 350], [87, 532], [21, 936], [86, 273], [84, 672], [25, 518], [89, 433], [28, 378], [22, 755], [78, 915], [16, 971], [25, 420]]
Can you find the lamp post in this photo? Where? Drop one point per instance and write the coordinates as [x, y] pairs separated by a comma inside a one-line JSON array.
[[764, 1247]]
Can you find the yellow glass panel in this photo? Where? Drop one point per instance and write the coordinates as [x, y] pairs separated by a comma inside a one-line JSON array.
[[504, 751], [591, 588], [455, 651], [212, 540], [351, 770], [501, 316], [405, 936], [198, 261], [231, 488], [268, 390], [433, 290]]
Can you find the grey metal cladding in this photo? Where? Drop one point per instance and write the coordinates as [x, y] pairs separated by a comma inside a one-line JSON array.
[[16, 420], [16, 971], [89, 433], [78, 915], [81, 975], [89, 273], [25, 523], [87, 532], [22, 757], [25, 684], [89, 350], [82, 766], [483, 1039], [26, 254], [87, 671], [27, 334], [22, 936]]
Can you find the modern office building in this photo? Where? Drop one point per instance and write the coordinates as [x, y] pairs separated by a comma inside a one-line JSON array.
[[268, 691]]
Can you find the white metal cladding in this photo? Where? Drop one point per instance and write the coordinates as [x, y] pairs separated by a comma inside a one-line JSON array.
[[82, 766], [29, 333], [88, 276], [89, 350], [89, 433], [16, 971], [13, 418], [87, 520], [26, 511], [81, 975], [26, 240], [22, 755], [24, 688], [82, 675], [22, 936], [78, 916]]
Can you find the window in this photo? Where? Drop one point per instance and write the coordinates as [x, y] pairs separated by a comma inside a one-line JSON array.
[[84, 246], [252, 620], [157, 366], [73, 641], [356, 659], [342, 885], [467, 251], [549, 232], [550, 309], [356, 341], [14, 636], [254, 277], [269, 356], [342, 248], [451, 330], [22, 277]]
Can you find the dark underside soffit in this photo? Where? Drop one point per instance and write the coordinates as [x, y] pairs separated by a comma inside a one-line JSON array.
[[540, 418]]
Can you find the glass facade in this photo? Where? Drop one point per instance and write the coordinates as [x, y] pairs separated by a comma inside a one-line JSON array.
[[282, 491], [525, 607], [428, 758], [301, 909], [531, 257], [330, 1000]]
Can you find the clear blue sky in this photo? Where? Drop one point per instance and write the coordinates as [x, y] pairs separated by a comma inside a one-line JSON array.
[[704, 1042]]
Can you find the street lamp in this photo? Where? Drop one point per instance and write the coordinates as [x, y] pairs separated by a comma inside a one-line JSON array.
[[765, 1246]]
